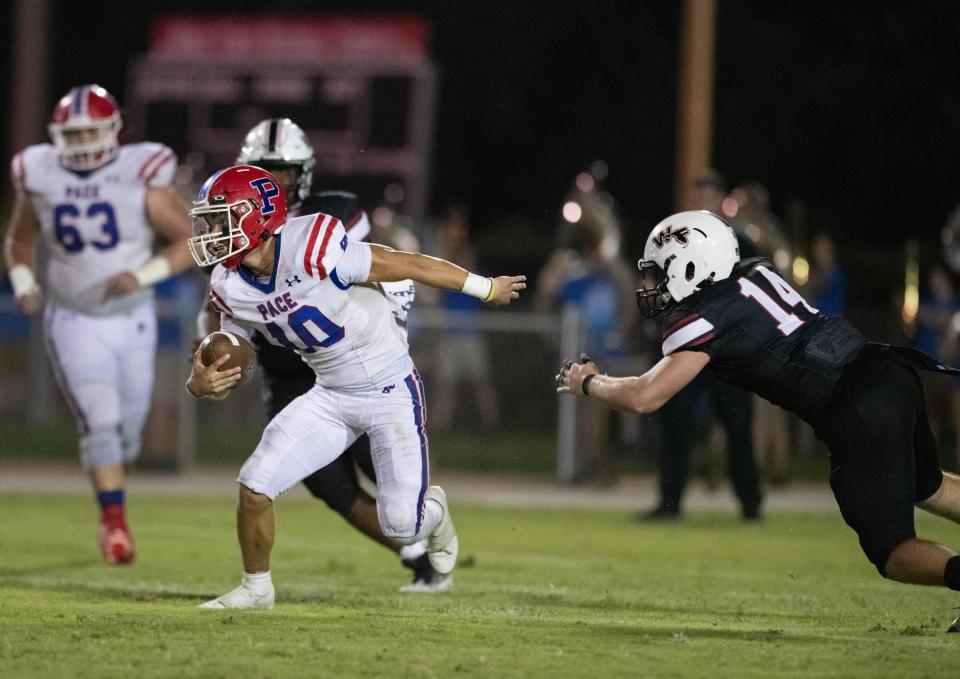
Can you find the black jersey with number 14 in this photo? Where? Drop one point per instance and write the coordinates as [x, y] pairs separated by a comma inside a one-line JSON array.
[[761, 335]]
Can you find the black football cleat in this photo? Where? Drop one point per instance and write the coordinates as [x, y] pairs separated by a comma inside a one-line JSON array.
[[954, 626], [659, 514], [426, 579]]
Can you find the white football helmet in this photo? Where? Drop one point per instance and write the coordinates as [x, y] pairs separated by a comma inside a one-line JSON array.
[[276, 144], [684, 253]]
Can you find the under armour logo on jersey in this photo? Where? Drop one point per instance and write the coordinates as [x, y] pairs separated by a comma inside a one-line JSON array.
[[294, 281], [388, 389], [267, 190], [343, 243], [668, 234]]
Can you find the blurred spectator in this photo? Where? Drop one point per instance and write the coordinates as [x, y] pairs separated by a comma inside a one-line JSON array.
[[748, 210], [733, 406], [588, 274], [462, 354], [749, 204], [827, 288], [936, 334]]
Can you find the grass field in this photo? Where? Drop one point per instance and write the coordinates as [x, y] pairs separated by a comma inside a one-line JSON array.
[[541, 593]]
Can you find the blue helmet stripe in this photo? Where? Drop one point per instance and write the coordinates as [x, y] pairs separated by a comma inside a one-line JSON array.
[[78, 98], [207, 184]]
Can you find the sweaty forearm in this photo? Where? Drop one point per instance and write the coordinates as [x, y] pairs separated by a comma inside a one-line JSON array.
[[630, 394], [394, 265]]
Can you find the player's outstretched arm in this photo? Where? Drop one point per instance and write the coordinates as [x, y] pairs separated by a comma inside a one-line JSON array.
[[169, 218], [208, 381], [641, 394], [388, 264], [20, 254]]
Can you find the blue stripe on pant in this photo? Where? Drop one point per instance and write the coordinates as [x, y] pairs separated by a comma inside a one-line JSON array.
[[415, 386]]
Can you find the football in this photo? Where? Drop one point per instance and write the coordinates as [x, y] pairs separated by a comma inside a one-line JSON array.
[[242, 355]]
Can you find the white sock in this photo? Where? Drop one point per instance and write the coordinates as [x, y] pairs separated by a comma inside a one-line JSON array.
[[258, 583], [414, 551]]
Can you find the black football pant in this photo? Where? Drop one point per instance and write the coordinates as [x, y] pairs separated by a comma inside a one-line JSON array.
[[883, 457], [734, 407]]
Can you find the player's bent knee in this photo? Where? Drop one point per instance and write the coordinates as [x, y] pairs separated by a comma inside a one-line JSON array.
[[101, 447], [398, 519], [252, 501], [879, 552]]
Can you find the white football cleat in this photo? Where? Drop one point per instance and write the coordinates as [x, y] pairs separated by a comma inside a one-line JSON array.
[[442, 543], [242, 597]]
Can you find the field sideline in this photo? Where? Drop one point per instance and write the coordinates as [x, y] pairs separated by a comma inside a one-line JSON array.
[[541, 592]]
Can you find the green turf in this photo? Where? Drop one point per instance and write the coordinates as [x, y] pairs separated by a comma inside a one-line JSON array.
[[540, 593]]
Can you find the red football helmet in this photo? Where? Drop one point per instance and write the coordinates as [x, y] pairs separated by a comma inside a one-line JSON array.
[[236, 210], [85, 127]]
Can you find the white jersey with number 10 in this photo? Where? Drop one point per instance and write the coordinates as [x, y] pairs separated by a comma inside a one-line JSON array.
[[317, 303]]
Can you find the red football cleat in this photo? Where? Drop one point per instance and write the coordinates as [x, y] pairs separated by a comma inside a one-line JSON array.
[[116, 544]]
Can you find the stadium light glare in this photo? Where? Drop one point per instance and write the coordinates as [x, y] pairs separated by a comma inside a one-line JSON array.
[[730, 207], [801, 270], [572, 212]]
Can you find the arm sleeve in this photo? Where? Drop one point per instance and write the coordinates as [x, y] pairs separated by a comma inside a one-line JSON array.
[[354, 265], [326, 243], [689, 332]]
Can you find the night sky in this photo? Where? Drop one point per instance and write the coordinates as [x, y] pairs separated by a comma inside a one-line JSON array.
[[851, 108]]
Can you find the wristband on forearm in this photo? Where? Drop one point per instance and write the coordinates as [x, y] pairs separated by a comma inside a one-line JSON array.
[[478, 286], [22, 280], [585, 382], [154, 271]]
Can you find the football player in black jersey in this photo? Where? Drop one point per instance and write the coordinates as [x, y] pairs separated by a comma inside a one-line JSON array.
[[740, 322], [280, 146]]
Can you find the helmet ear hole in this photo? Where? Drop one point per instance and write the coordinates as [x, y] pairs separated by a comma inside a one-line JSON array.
[[691, 271]]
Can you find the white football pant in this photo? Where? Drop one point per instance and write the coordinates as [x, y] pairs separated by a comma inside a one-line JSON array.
[[104, 365], [318, 426]]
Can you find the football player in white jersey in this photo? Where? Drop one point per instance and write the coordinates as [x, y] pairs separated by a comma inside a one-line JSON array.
[[280, 146], [96, 205], [303, 284]]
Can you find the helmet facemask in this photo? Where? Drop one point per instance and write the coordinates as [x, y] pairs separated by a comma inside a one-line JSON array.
[[218, 232], [653, 296], [82, 155]]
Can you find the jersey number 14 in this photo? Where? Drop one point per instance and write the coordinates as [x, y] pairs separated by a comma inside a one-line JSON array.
[[783, 310]]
